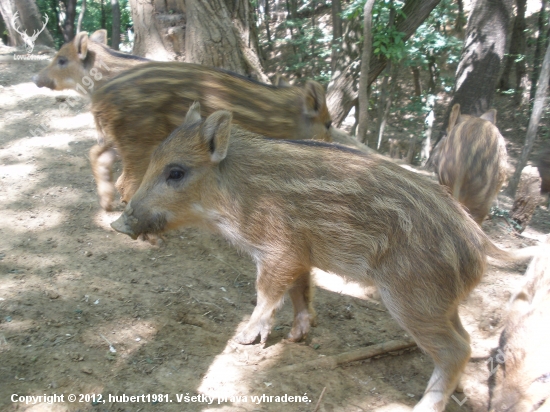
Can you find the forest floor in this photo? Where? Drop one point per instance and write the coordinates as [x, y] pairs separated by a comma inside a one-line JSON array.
[[88, 312]]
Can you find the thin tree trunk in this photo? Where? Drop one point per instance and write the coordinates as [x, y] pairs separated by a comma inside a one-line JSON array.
[[67, 28], [336, 32], [385, 108], [342, 89], [81, 16], [416, 81], [364, 77], [460, 19], [267, 19], [115, 33], [517, 48], [103, 20], [536, 114], [538, 50]]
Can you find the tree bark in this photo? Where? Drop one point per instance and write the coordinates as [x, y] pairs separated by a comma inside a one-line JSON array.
[[342, 89], [28, 21], [364, 77], [81, 17], [159, 28], [460, 19], [527, 197], [481, 59], [115, 32], [7, 8], [536, 114], [517, 49], [67, 27], [385, 101], [336, 32], [538, 50], [220, 34], [416, 81]]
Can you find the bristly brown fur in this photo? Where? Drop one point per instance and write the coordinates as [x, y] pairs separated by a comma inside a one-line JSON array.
[[523, 378], [135, 111], [472, 161], [295, 206]]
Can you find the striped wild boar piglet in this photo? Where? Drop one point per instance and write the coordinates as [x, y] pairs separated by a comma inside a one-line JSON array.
[[523, 379], [472, 161], [295, 205], [85, 64], [137, 110]]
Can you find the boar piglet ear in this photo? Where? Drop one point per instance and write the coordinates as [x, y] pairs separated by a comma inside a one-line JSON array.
[[81, 44], [315, 98], [490, 116], [453, 117], [193, 114], [215, 132], [99, 36]]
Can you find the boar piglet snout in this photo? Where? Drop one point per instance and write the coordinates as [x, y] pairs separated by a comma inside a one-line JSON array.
[[147, 223]]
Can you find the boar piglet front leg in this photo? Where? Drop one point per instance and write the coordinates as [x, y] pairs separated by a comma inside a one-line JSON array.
[[274, 279]]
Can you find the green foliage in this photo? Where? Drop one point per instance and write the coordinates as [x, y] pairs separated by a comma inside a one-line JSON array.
[[98, 15]]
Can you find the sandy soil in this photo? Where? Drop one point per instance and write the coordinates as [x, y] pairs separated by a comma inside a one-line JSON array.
[[88, 312]]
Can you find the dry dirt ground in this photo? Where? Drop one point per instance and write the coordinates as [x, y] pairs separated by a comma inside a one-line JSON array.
[[88, 312]]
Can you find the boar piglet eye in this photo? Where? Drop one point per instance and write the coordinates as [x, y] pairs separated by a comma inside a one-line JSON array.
[[176, 174], [62, 61]]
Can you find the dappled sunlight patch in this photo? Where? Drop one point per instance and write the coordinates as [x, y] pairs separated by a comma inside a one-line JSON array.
[[39, 220], [16, 171], [227, 374], [78, 121], [233, 374], [335, 283]]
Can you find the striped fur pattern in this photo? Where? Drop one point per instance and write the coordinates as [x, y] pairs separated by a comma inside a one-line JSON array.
[[137, 110], [296, 205], [77, 60], [472, 161]]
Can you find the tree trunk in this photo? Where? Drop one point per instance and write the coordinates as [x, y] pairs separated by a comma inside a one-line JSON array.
[[536, 114], [7, 8], [220, 34], [103, 20], [115, 33], [482, 56], [159, 28], [416, 81], [28, 21], [460, 19], [527, 198], [517, 48], [538, 51], [342, 89], [267, 19], [336, 32], [364, 77], [384, 105], [81, 16], [67, 27]]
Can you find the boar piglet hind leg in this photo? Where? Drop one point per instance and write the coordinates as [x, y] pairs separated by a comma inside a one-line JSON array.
[[441, 335]]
